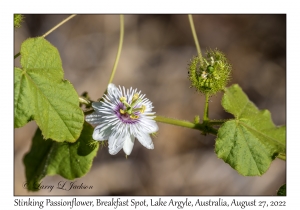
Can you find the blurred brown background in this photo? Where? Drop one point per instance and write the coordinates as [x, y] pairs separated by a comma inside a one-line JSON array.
[[154, 59]]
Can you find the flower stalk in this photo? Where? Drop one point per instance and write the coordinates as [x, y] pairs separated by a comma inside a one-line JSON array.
[[204, 127], [205, 116]]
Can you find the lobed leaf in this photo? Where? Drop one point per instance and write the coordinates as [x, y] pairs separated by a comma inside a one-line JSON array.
[[70, 160], [251, 141], [41, 93]]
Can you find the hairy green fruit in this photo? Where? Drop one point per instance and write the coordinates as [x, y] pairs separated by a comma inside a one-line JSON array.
[[211, 74]]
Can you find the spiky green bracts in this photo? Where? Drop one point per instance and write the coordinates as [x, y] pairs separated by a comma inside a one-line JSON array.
[[211, 74]]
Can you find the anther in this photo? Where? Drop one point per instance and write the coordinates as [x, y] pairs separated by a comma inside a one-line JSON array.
[[123, 100], [134, 102], [134, 117], [135, 96], [143, 108]]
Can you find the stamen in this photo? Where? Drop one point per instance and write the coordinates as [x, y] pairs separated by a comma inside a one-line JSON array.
[[135, 96], [129, 107], [143, 108], [134, 117], [135, 102], [122, 99]]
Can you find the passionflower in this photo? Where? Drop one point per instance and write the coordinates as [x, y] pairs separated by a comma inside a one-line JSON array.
[[122, 116]]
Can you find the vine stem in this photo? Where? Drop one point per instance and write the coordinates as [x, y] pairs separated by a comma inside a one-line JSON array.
[[55, 27], [195, 37], [51, 30], [17, 55], [186, 124], [282, 156], [119, 48]]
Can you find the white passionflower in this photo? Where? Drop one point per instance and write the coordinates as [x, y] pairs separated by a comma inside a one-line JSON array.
[[121, 117]]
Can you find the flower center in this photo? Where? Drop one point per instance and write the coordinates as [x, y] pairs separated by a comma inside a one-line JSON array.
[[129, 108]]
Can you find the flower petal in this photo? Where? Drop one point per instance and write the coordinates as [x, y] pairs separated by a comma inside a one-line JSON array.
[[112, 89], [128, 144], [101, 133], [94, 118], [97, 105], [149, 125], [115, 143], [152, 126], [145, 140]]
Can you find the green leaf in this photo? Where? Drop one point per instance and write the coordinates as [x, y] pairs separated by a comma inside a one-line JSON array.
[[41, 93], [70, 160], [251, 141], [282, 190]]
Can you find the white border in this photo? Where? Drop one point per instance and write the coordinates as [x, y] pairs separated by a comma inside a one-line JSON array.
[[8, 8]]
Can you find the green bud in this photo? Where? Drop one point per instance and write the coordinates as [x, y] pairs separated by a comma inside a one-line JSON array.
[[18, 19], [211, 74]]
